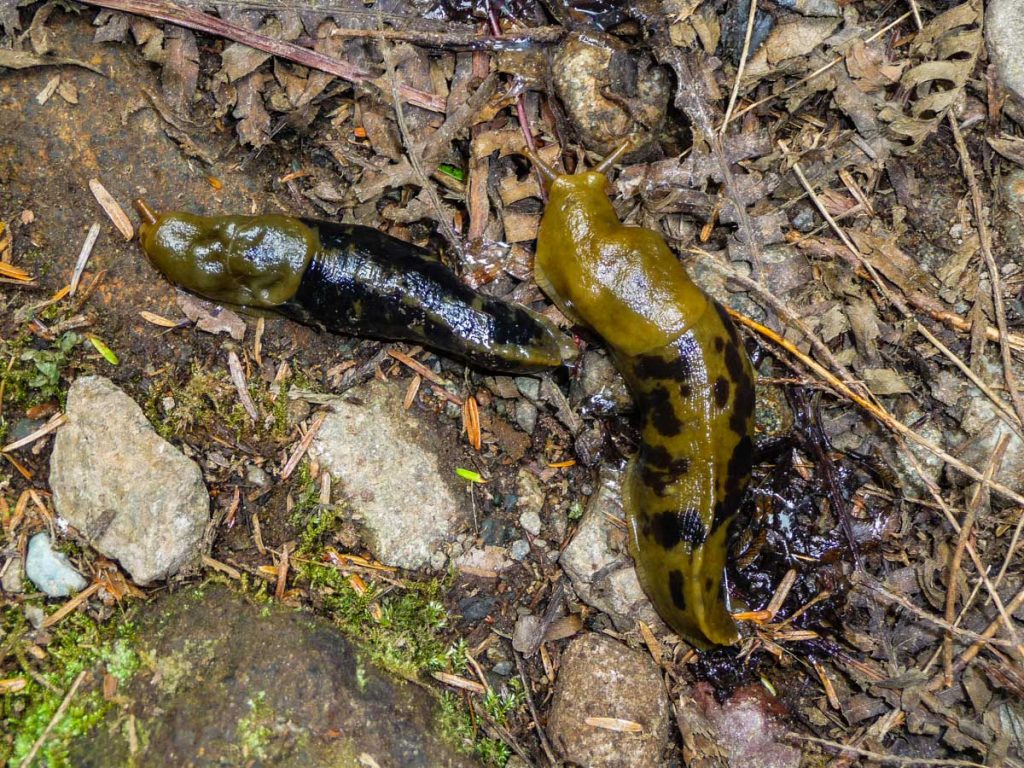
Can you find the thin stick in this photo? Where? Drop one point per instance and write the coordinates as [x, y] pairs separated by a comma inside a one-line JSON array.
[[883, 758], [241, 386], [57, 716], [925, 616], [966, 527], [211, 25], [986, 637], [541, 735], [1011, 418], [820, 70], [985, 238], [1014, 541], [83, 257], [412, 150], [742, 67], [1004, 613], [302, 447], [876, 411], [55, 421]]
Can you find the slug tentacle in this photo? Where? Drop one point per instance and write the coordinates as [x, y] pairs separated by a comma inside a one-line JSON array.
[[693, 384], [348, 279]]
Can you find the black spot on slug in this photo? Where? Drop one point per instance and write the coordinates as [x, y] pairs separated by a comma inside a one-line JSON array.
[[657, 481], [709, 584], [737, 475], [721, 389], [669, 529], [743, 405], [657, 404], [675, 588], [665, 530], [719, 344], [730, 326], [657, 457], [734, 363], [658, 367]]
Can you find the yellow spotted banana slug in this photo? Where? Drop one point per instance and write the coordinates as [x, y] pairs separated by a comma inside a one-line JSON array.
[[689, 374], [348, 279]]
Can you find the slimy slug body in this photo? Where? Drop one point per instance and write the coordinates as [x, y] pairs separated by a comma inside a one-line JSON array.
[[348, 279], [693, 384]]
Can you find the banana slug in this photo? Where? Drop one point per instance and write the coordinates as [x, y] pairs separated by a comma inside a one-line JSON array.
[[689, 374], [348, 279]]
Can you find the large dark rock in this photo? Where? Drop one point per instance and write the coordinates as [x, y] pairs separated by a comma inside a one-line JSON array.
[[226, 682]]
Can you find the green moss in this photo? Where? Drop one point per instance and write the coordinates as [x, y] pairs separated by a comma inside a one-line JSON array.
[[35, 374], [401, 629], [456, 726], [79, 644], [208, 398], [499, 704], [254, 730]]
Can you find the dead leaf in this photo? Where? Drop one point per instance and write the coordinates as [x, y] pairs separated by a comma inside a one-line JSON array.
[[180, 72], [67, 91], [112, 208], [884, 381], [24, 60], [211, 318], [253, 119], [1010, 147]]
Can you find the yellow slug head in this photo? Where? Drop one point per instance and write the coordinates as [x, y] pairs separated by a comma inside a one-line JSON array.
[[251, 261]]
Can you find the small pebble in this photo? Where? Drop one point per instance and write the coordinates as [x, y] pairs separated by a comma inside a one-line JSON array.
[[525, 632], [50, 571], [438, 560], [530, 520], [526, 416], [528, 386], [35, 615], [493, 531], [12, 581], [519, 550], [255, 475], [504, 668]]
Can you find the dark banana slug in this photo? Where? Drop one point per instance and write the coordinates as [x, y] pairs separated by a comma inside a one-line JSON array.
[[348, 279], [689, 374]]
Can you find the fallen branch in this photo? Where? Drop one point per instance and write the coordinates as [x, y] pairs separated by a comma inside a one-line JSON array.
[[211, 25]]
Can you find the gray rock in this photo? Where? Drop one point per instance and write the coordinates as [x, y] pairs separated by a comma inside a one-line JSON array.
[[132, 495], [50, 571], [598, 564], [526, 416], [1004, 30], [519, 550], [985, 427], [525, 633], [485, 561], [438, 561], [747, 730], [35, 615], [255, 475], [928, 461], [600, 677], [290, 691], [11, 574], [600, 385], [528, 386], [530, 500], [387, 462]]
